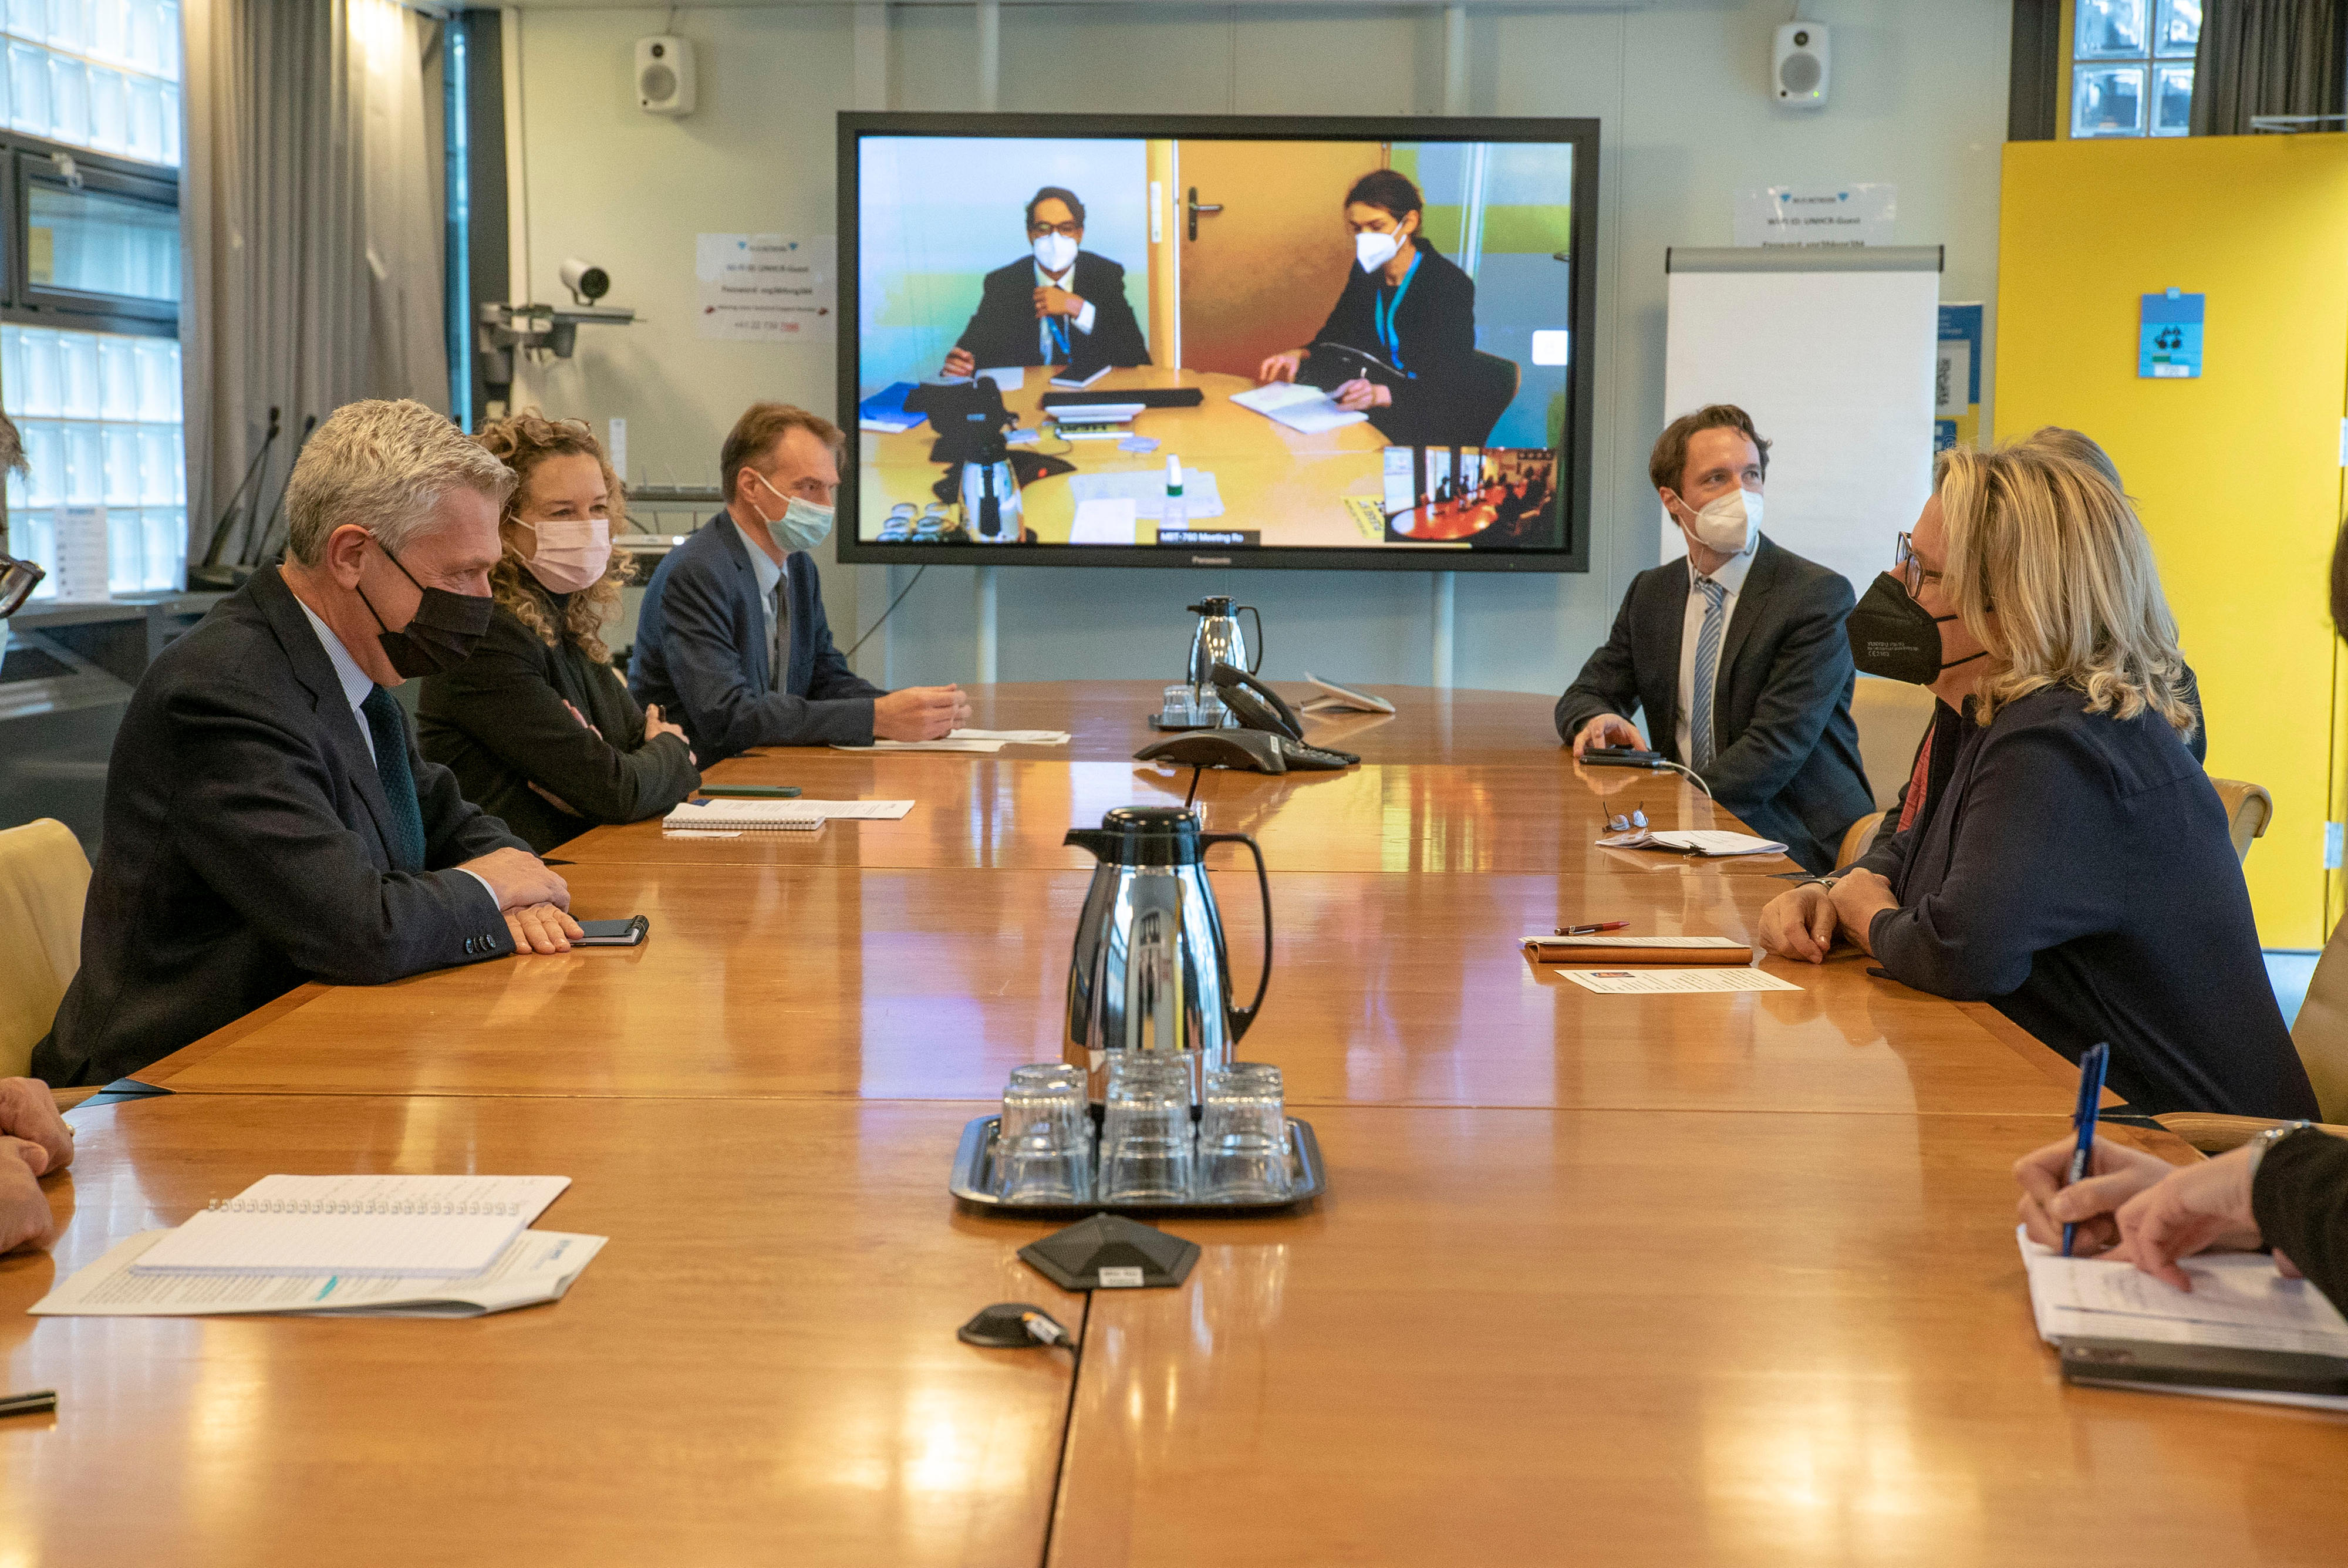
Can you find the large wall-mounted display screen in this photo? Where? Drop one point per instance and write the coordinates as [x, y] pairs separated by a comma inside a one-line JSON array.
[[1078, 340]]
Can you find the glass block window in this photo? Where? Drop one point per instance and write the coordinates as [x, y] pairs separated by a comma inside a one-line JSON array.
[[100, 416], [2132, 70], [101, 74]]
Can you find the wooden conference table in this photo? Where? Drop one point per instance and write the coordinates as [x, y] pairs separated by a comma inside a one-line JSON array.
[[1597, 1279]]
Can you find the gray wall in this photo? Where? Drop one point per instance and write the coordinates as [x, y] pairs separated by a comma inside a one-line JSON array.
[[1680, 89]]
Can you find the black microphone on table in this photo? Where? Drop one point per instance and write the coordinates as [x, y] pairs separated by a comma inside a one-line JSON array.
[[210, 573], [273, 553]]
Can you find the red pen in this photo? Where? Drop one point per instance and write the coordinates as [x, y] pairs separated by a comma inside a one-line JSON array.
[[1591, 930]]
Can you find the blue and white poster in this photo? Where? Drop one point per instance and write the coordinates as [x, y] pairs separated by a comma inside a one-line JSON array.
[[2168, 336]]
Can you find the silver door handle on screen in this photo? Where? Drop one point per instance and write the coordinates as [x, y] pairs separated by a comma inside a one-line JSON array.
[[1198, 207]]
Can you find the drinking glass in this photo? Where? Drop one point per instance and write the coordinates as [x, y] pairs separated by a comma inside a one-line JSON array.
[[1149, 1152], [1177, 708], [1043, 1150], [1243, 1138]]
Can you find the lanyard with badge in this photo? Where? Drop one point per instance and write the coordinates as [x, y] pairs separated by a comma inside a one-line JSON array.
[[1382, 313]]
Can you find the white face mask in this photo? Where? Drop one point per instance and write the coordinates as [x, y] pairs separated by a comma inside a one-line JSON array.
[[572, 552], [1054, 252], [1727, 524], [1374, 250]]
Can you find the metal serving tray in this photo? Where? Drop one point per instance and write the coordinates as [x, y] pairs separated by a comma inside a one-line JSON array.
[[972, 1181]]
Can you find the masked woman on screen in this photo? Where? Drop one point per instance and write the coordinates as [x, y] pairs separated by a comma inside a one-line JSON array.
[[1400, 341]]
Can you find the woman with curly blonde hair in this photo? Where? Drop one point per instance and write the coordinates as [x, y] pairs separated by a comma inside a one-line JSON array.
[[538, 727], [2074, 868]]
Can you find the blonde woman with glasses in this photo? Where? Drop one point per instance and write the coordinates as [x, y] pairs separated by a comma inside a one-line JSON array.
[[2075, 869], [537, 725]]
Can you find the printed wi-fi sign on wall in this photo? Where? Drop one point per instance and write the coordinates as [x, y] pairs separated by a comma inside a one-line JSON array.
[[2168, 335]]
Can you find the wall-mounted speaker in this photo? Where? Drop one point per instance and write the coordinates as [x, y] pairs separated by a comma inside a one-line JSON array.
[[664, 74], [1799, 63]]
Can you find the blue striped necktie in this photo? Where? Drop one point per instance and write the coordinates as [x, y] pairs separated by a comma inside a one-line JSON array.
[[390, 737], [1707, 658]]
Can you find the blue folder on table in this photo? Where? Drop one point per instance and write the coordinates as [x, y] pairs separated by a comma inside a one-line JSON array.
[[885, 410]]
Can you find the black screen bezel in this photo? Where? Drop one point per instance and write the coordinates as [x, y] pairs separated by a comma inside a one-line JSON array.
[[1582, 225]]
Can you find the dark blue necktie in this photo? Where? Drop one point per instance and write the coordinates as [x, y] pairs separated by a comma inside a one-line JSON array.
[[390, 737]]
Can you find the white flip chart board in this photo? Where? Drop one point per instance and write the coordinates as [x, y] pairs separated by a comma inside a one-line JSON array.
[[1831, 352]]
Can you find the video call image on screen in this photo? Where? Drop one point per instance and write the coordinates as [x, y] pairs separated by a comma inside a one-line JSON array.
[[1338, 344]]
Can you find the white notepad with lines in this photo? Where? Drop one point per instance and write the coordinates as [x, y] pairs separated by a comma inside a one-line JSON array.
[[433, 1226], [776, 816]]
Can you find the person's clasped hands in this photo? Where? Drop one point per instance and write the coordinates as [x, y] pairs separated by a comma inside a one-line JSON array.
[[2137, 1208], [34, 1142]]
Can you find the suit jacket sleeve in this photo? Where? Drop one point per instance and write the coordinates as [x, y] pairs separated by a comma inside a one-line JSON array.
[[1609, 681], [705, 667], [2300, 1199], [1116, 338], [256, 819], [1002, 330], [2029, 869], [501, 698], [1808, 675]]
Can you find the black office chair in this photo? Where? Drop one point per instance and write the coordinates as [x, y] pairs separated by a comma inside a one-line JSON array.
[[1487, 387]]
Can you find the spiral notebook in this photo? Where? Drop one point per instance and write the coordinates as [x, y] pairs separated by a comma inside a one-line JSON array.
[[408, 1225], [737, 816]]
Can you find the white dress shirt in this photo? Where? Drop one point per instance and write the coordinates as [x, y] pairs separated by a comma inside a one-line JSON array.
[[356, 685], [1730, 576], [1082, 321]]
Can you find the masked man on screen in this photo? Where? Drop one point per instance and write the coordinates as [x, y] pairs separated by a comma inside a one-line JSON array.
[[1735, 656], [1063, 306], [732, 642]]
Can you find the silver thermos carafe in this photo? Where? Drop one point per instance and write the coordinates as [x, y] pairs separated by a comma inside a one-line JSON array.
[[1217, 641], [1150, 971]]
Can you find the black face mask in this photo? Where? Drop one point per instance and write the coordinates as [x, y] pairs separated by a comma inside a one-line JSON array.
[[1894, 636], [441, 633]]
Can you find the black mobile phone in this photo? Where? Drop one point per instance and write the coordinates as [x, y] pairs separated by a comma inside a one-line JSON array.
[[1621, 757], [612, 933]]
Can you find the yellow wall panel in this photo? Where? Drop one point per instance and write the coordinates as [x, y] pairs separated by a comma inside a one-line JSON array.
[[2237, 473]]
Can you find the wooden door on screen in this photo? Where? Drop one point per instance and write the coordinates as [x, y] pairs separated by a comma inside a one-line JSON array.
[[1262, 272]]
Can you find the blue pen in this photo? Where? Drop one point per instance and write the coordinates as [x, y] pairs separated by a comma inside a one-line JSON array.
[[2091, 1095]]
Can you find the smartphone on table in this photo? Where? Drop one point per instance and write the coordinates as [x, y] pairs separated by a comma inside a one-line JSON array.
[[625, 932]]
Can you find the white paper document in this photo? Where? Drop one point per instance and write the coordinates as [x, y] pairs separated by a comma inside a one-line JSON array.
[[794, 816], [540, 1266], [1707, 842], [2239, 1300], [987, 740], [1662, 982], [1009, 377], [1106, 519], [1303, 409], [1145, 487], [452, 1226]]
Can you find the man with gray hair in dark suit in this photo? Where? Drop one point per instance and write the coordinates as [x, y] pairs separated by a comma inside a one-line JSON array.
[[269, 820]]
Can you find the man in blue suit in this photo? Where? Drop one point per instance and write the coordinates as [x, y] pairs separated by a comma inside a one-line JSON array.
[[732, 642]]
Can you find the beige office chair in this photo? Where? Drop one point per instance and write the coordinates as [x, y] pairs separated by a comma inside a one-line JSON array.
[[1856, 837], [2321, 1034], [44, 877], [2248, 809], [1891, 717]]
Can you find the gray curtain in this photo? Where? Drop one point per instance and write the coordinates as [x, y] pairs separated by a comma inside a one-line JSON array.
[[2267, 57], [312, 217]]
